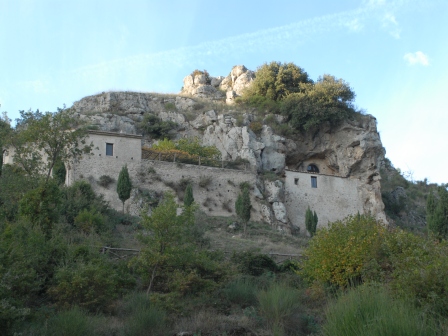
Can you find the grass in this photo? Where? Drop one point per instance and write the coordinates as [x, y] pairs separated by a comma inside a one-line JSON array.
[[143, 316], [279, 306], [371, 311], [241, 291], [73, 322]]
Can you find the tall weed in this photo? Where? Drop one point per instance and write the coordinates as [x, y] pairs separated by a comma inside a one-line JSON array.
[[371, 311]]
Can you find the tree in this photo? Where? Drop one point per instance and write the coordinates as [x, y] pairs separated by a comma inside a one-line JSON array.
[[311, 221], [328, 100], [40, 140], [243, 207], [124, 185], [277, 80], [188, 198], [169, 241], [437, 213]]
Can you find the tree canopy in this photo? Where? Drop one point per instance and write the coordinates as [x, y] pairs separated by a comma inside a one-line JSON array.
[[40, 140], [277, 80], [287, 89]]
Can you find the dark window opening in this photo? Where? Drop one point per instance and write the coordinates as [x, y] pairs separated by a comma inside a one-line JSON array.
[[312, 168], [296, 181], [313, 182], [109, 149]]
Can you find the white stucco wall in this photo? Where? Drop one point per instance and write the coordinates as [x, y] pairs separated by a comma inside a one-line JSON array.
[[334, 198]]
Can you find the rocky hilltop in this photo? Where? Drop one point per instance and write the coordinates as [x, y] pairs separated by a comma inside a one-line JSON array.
[[204, 108]]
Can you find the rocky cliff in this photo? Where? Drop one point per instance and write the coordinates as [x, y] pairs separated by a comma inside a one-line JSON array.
[[203, 108]]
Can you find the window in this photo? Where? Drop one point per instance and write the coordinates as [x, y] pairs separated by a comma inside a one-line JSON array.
[[313, 182], [109, 149], [312, 168], [296, 181]]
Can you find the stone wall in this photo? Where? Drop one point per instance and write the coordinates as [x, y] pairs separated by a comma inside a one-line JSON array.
[[334, 198], [214, 189]]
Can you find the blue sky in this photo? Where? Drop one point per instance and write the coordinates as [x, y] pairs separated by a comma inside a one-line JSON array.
[[393, 53]]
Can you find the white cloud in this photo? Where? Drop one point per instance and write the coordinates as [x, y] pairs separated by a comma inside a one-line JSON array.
[[354, 25], [417, 58], [391, 24]]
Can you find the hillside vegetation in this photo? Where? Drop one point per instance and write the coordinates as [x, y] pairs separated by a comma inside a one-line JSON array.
[[71, 265]]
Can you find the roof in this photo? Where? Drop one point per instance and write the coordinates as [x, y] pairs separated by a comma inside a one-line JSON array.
[[115, 134]]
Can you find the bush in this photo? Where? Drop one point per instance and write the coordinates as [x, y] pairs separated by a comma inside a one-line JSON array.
[[143, 317], [256, 127], [241, 291], [371, 311], [204, 181], [105, 180], [156, 127], [254, 264], [340, 253], [92, 285], [80, 196], [419, 270], [73, 322], [89, 221]]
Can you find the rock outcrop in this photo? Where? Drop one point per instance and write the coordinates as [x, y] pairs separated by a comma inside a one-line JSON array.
[[201, 85], [351, 150]]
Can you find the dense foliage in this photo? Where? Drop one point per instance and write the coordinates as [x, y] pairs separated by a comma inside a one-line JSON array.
[[155, 127], [286, 88], [437, 213], [184, 146]]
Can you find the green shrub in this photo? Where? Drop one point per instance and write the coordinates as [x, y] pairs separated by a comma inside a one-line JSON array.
[[340, 253], [419, 270], [371, 311], [279, 306], [59, 172], [204, 181], [89, 221], [142, 317], [105, 180], [78, 197], [254, 264], [41, 206], [92, 285], [241, 291], [170, 107], [27, 263], [156, 127], [73, 322], [256, 127]]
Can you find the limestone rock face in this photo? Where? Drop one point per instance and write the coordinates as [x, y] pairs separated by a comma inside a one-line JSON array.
[[353, 150], [201, 88], [280, 212], [109, 122]]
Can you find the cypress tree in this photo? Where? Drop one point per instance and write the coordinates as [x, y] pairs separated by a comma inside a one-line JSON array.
[[243, 207], [315, 220], [188, 198], [124, 185], [309, 219]]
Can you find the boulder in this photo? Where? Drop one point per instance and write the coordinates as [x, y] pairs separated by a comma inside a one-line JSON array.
[[280, 212]]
